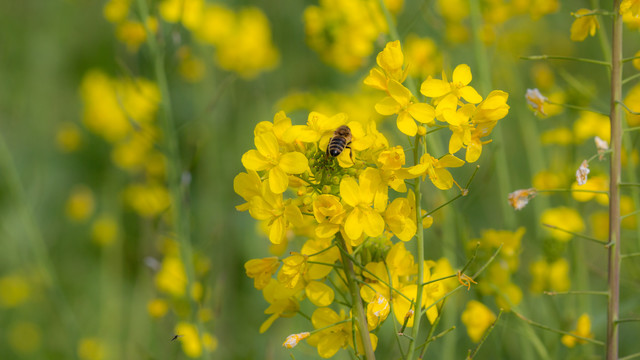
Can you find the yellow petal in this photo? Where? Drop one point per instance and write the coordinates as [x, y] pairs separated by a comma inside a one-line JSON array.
[[434, 88], [450, 161], [387, 106], [406, 124], [319, 294], [354, 225], [376, 79], [470, 94], [462, 74], [253, 160], [294, 163], [424, 113], [277, 230], [350, 191], [374, 224], [267, 145], [278, 180], [474, 149], [399, 93]]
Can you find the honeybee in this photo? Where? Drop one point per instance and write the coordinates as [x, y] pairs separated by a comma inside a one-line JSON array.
[[339, 141]]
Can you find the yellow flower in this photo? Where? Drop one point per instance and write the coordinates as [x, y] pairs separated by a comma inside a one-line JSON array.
[[157, 308], [267, 157], [400, 101], [559, 136], [14, 291], [330, 340], [171, 278], [391, 59], [316, 250], [632, 100], [293, 270], [148, 200], [361, 216], [25, 338], [477, 318], [549, 276], [422, 56], [247, 185], [116, 10], [590, 124], [68, 137], [282, 302], [377, 311], [260, 270], [280, 215], [584, 25], [595, 183], [458, 87], [400, 216], [319, 128], [104, 230], [80, 204], [630, 6], [583, 329], [92, 348], [188, 12], [329, 214], [319, 293], [192, 342], [564, 218], [436, 170]]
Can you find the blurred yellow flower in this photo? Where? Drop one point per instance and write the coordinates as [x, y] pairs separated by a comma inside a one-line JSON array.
[[564, 218], [590, 124], [584, 25], [188, 12], [192, 342], [191, 67], [157, 308], [105, 230], [260, 270], [547, 276], [632, 101], [15, 290], [595, 183], [558, 136], [422, 56], [80, 204], [148, 200], [25, 338], [116, 10], [547, 180], [68, 137], [477, 318], [171, 278], [92, 348], [583, 329]]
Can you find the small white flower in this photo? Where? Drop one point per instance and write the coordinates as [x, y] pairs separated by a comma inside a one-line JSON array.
[[582, 172], [602, 147], [292, 340], [520, 198], [536, 100]]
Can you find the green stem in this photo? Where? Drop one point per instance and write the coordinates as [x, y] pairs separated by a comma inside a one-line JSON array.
[[484, 337], [613, 307], [630, 78], [576, 292], [562, 332], [581, 236], [575, 107], [417, 153], [179, 212], [359, 315], [551, 57]]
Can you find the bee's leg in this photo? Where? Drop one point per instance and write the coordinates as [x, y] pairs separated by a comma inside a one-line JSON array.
[[350, 152]]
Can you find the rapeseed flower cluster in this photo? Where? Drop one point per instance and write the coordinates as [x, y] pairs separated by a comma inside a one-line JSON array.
[[241, 39], [360, 204]]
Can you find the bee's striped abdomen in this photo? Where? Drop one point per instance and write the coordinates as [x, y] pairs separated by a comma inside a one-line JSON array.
[[336, 146]]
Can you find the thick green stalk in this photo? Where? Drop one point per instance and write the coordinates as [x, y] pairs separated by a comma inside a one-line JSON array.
[[614, 190], [357, 308], [504, 181], [174, 170], [417, 312]]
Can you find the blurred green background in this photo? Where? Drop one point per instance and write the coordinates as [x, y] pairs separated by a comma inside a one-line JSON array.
[[63, 294]]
